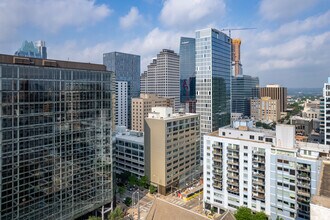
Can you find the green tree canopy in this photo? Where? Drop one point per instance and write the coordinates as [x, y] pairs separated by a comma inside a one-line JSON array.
[[117, 214], [94, 218], [244, 213]]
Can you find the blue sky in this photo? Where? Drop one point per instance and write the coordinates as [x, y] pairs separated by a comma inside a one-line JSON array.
[[290, 45]]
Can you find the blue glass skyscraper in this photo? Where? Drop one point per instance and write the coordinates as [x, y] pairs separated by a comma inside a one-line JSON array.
[[213, 79], [127, 68], [187, 70], [37, 49], [244, 88]]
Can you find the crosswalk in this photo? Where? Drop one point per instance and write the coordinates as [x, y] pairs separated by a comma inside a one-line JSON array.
[[176, 201]]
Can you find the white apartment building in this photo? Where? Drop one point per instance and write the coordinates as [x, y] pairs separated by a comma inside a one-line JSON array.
[[261, 169], [122, 103], [325, 114]]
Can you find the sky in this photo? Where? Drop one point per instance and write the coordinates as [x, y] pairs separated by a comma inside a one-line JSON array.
[[289, 45]]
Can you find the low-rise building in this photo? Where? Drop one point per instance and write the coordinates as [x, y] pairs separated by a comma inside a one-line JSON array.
[[261, 169], [265, 109], [172, 148], [129, 152], [304, 126]]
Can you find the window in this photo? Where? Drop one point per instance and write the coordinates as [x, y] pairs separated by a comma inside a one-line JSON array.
[[269, 140], [245, 154], [260, 138], [252, 137], [245, 147]]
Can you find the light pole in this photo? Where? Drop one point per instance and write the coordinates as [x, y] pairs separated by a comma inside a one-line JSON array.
[[134, 194]]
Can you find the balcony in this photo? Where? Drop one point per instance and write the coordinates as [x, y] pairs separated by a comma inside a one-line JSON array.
[[233, 183], [258, 189], [233, 148], [258, 196], [233, 169], [217, 172], [303, 168], [303, 176], [233, 162], [303, 200], [217, 185], [217, 158], [303, 184], [257, 167], [258, 182], [261, 175], [233, 176], [217, 152], [232, 155], [303, 193], [232, 189], [258, 160], [217, 165], [259, 153]]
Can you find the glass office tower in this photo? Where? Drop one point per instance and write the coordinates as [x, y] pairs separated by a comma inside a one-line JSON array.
[[187, 70], [55, 138], [213, 79], [126, 68], [244, 88]]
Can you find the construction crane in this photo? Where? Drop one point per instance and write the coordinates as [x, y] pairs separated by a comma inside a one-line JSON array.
[[236, 29]]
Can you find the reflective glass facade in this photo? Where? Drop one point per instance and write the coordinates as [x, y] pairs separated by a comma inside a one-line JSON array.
[[213, 79], [244, 88], [187, 70], [127, 68], [55, 141]]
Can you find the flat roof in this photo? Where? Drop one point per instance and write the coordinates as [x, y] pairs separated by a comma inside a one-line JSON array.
[[132, 138], [29, 61], [162, 209]]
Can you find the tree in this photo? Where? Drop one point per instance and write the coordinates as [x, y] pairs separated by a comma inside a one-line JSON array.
[[144, 182], [279, 218], [94, 218], [152, 189], [121, 190], [132, 180], [128, 201], [243, 213], [260, 216], [117, 214]]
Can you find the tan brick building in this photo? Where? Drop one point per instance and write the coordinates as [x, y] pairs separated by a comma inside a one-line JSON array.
[[142, 106], [172, 148], [265, 109]]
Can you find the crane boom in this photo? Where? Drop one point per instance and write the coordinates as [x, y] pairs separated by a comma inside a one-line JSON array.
[[236, 29]]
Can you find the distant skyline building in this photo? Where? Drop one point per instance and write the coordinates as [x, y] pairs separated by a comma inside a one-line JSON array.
[[142, 106], [127, 68], [213, 79], [244, 88], [187, 72], [55, 138], [276, 92], [31, 49], [265, 109], [163, 77], [122, 103], [236, 57]]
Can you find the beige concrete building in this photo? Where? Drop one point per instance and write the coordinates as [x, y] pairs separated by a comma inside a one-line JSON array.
[[172, 148], [265, 109], [275, 91], [142, 106]]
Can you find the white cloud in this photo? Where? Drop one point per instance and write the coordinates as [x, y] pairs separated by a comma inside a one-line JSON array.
[[156, 40], [296, 27], [49, 15], [283, 9], [132, 18], [75, 51], [191, 13]]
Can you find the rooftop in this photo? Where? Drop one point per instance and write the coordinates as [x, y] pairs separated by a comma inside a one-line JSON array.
[[322, 197], [133, 136], [28, 61], [164, 210]]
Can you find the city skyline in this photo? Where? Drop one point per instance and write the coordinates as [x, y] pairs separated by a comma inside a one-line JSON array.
[[283, 48]]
